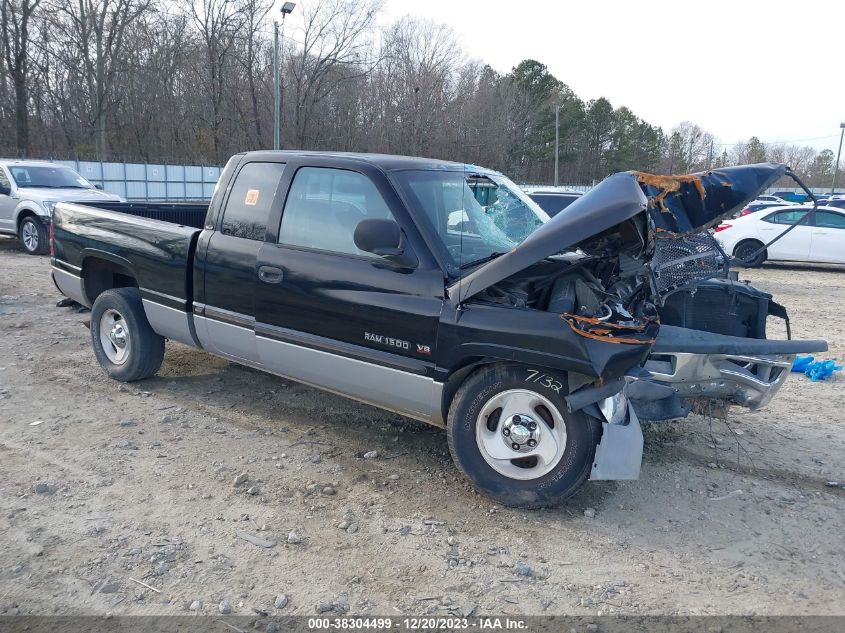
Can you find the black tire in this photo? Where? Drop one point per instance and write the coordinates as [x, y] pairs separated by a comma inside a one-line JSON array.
[[33, 236], [745, 249], [143, 349], [481, 389]]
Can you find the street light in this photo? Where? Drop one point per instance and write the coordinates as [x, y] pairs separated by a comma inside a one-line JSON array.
[[557, 140], [838, 154], [287, 7]]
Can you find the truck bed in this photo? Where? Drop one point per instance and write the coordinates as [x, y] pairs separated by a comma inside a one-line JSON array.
[[155, 254], [190, 214]]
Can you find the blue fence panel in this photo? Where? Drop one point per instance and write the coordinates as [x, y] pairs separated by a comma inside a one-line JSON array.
[[193, 173], [176, 191], [156, 191], [115, 186], [194, 191], [136, 171], [91, 171], [175, 173], [156, 173], [136, 190], [114, 171]]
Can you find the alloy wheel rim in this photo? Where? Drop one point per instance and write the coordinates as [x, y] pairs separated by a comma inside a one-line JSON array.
[[520, 434], [29, 235]]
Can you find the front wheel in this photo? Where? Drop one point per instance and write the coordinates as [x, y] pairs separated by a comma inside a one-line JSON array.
[[33, 236], [510, 433], [125, 344]]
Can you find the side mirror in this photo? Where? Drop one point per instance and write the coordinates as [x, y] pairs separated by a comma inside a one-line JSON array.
[[5, 190], [384, 238], [98, 186]]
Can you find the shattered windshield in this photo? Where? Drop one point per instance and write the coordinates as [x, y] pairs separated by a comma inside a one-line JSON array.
[[476, 215]]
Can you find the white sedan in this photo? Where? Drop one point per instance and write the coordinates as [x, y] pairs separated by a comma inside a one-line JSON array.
[[821, 239]]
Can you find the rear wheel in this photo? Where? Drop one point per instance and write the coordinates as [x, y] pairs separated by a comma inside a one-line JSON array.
[[510, 433], [745, 253], [33, 236], [125, 344]]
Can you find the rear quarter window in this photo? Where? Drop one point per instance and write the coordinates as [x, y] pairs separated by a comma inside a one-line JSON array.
[[248, 207]]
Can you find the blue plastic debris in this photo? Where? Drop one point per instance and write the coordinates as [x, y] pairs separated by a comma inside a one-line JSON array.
[[800, 363], [815, 370]]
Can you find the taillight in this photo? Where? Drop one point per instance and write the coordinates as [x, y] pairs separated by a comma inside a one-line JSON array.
[[52, 245], [745, 212], [723, 226]]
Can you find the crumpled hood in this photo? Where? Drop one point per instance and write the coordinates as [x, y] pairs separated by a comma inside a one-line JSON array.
[[695, 202], [675, 204], [43, 194]]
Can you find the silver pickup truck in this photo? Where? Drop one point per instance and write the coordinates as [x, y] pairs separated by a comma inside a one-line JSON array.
[[28, 192]]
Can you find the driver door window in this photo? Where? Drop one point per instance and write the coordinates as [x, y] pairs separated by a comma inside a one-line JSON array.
[[325, 205]]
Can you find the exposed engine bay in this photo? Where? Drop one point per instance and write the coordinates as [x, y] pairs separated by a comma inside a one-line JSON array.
[[614, 285]]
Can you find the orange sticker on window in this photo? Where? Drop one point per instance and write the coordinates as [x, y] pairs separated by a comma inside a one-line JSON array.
[[252, 197]]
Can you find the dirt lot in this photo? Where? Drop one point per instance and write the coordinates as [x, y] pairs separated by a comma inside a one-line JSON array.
[[101, 482]]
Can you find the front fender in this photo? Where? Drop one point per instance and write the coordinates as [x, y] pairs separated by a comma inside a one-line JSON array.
[[28, 207]]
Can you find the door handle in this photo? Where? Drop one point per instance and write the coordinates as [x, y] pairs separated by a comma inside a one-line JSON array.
[[270, 274], [820, 233]]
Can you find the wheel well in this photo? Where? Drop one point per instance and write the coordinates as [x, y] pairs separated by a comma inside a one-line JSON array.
[[99, 275], [456, 379]]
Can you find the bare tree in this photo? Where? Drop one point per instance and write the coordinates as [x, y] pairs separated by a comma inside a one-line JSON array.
[[255, 11], [334, 50], [97, 29], [219, 23], [15, 21]]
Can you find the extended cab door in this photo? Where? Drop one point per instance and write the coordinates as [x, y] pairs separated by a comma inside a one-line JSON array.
[[340, 318], [225, 312]]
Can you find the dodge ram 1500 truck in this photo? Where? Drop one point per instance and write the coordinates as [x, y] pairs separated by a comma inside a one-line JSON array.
[[440, 291]]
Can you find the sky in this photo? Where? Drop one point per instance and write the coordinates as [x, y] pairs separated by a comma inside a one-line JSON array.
[[775, 70]]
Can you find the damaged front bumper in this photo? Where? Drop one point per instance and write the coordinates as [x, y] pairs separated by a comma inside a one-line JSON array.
[[689, 367], [740, 379], [686, 368]]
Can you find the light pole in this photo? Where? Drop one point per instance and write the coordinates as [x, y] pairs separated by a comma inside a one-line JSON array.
[[287, 7], [838, 154], [557, 140]]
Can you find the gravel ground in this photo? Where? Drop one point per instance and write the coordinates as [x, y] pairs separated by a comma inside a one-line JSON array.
[[224, 488]]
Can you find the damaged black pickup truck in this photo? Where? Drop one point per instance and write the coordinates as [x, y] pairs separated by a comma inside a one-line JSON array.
[[440, 291]]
